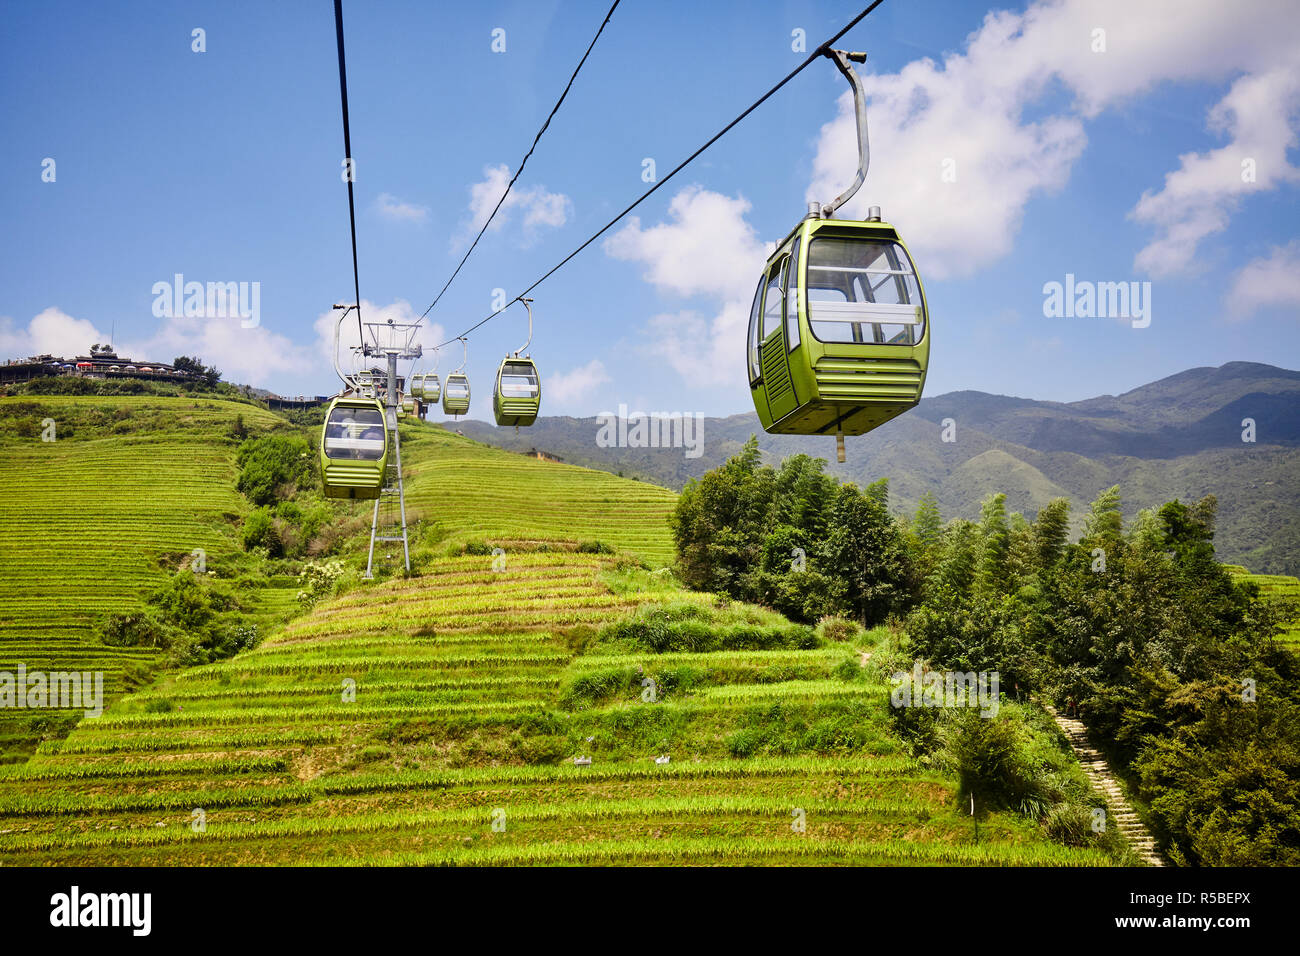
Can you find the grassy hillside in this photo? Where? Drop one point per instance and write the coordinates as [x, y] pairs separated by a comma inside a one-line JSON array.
[[474, 691], [436, 718], [471, 491], [95, 519]]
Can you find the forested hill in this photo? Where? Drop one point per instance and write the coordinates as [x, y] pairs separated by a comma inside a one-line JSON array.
[[1179, 437]]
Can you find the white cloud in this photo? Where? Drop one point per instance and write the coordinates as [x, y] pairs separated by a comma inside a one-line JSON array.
[[539, 207], [704, 350], [1270, 281], [706, 249], [966, 115], [971, 110], [1199, 197], [568, 388], [253, 356], [390, 207], [51, 332], [248, 356]]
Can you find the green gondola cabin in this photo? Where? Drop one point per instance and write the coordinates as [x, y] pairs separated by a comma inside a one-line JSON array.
[[517, 395], [455, 394], [838, 337], [354, 448]]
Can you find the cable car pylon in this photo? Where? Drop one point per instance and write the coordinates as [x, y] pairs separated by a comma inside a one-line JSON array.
[[394, 341], [353, 467]]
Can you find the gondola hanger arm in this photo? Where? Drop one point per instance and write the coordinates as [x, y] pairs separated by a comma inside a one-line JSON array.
[[347, 380], [842, 58], [528, 304]]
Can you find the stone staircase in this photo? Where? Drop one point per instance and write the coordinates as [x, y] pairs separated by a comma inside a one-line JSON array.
[[1118, 813]]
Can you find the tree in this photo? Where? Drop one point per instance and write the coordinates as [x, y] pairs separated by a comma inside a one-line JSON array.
[[865, 550], [1051, 528], [210, 375], [992, 576], [1105, 519], [803, 494], [718, 524], [927, 526]]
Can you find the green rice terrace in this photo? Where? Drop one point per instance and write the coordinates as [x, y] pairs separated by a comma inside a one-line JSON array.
[[1275, 587], [130, 488], [566, 702]]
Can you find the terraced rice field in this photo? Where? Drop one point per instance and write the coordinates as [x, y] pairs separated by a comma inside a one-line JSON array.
[[1272, 586], [86, 518], [435, 720], [476, 492]]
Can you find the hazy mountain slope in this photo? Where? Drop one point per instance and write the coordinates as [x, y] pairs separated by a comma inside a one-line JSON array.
[[1179, 437]]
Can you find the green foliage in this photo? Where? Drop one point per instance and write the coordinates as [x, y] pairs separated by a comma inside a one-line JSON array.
[[719, 524], [193, 617], [272, 467], [927, 533], [260, 532], [993, 572], [207, 373], [191, 601], [792, 538], [866, 552], [1105, 518], [1050, 530], [1152, 646], [132, 630], [690, 627], [989, 757], [1226, 786], [837, 629]]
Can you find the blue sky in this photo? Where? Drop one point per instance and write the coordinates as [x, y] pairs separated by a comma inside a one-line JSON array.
[[225, 166]]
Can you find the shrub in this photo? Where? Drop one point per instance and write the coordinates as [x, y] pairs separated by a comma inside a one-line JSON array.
[[989, 759], [272, 467], [319, 579], [191, 601], [260, 531], [660, 631], [133, 630], [1069, 823], [841, 629]]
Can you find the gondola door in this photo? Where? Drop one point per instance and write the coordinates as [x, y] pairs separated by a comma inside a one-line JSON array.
[[776, 367]]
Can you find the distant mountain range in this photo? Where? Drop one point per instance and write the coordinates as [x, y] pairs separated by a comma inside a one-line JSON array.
[[1179, 437]]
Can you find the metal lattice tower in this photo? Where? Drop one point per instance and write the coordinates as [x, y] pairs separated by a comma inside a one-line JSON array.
[[393, 341]]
